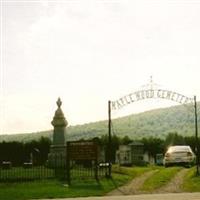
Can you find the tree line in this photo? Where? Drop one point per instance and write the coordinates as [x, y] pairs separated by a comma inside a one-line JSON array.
[[152, 145], [19, 152]]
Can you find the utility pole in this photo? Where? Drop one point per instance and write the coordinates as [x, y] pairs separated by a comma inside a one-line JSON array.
[[109, 137], [196, 137]]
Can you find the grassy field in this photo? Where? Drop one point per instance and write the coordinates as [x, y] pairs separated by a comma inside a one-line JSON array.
[[191, 181], [56, 189], [131, 171], [160, 178], [121, 175]]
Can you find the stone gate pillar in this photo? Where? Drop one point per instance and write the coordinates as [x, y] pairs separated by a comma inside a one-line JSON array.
[[57, 155]]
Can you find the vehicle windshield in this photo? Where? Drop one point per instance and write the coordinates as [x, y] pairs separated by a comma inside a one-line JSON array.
[[179, 149]]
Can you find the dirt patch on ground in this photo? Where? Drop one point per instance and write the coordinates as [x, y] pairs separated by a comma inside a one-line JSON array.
[[134, 186], [175, 184]]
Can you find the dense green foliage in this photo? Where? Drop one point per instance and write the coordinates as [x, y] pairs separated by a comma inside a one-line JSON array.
[[18, 152], [156, 123]]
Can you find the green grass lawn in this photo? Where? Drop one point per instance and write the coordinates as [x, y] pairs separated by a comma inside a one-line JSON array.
[[55, 189], [191, 181], [131, 171], [52, 188], [160, 178]]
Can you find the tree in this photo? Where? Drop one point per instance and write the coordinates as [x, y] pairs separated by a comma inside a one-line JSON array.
[[126, 140], [174, 139], [153, 146]]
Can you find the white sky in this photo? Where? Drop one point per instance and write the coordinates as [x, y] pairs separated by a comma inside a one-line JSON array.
[[88, 52]]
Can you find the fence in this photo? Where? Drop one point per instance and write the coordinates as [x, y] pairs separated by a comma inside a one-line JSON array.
[[29, 172], [25, 174], [82, 171]]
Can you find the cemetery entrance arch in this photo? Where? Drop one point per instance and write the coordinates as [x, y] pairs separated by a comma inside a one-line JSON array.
[[152, 92]]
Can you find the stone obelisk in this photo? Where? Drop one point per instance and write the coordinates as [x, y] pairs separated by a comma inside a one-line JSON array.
[[57, 155]]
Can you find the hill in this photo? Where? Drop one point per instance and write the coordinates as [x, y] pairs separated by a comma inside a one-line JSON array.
[[158, 122]]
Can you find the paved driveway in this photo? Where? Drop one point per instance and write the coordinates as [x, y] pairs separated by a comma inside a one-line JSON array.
[[169, 196]]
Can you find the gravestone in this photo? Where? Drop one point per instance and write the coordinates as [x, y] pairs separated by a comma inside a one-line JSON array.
[[57, 155]]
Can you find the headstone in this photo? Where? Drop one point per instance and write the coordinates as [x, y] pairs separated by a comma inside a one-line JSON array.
[[57, 155]]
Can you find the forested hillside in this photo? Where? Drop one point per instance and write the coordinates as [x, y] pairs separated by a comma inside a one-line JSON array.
[[157, 123]]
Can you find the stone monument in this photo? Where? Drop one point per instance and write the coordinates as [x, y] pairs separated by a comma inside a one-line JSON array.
[[57, 155]]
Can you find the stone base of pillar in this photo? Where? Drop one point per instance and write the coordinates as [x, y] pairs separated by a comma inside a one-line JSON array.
[[57, 156]]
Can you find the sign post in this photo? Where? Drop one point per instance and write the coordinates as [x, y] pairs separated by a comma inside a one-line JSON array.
[[196, 137], [109, 137]]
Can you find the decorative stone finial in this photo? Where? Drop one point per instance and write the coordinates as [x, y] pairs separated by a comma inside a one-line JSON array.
[[59, 118], [59, 102]]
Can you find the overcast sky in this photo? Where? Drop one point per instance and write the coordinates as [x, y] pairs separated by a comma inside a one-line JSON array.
[[88, 52]]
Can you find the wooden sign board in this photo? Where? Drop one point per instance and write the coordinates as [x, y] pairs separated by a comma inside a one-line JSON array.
[[85, 150]]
